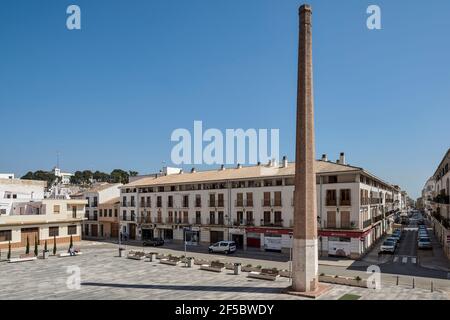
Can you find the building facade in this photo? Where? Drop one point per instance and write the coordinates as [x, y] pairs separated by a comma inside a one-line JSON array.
[[99, 200], [440, 203], [43, 220], [254, 207]]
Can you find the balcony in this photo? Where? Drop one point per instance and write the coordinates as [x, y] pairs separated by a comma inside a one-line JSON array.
[[159, 204], [331, 203], [375, 201], [128, 218], [185, 205], [346, 203], [144, 220], [197, 221], [442, 199], [169, 204], [212, 204], [365, 201], [271, 203], [145, 204], [378, 218], [276, 224], [243, 222], [198, 204], [367, 223], [243, 203], [351, 226]]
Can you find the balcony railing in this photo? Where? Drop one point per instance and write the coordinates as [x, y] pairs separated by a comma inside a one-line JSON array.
[[271, 203], [330, 203], [350, 226], [243, 222], [144, 220], [243, 203], [346, 203], [375, 201], [367, 223], [145, 204], [442, 199], [198, 204], [365, 201]]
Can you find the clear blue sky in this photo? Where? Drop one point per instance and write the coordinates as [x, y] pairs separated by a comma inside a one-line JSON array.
[[110, 95]]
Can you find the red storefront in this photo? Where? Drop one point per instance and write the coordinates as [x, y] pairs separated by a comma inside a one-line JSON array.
[[254, 235]]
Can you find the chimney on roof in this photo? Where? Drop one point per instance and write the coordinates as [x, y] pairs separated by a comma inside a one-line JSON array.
[[222, 167], [274, 162], [285, 162], [269, 164], [193, 170], [324, 157], [342, 158], [259, 163], [181, 171], [239, 166]]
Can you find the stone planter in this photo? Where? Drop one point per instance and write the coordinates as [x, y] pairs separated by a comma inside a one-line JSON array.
[[250, 269], [284, 273], [229, 266], [200, 262], [346, 281]]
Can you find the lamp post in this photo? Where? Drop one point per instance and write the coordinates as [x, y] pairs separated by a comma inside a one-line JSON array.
[[290, 258]]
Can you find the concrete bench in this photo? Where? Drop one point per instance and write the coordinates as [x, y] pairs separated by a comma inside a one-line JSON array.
[[265, 274], [67, 254], [173, 261], [214, 267], [23, 258]]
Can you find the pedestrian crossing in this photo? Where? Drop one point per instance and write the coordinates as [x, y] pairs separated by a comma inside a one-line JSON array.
[[405, 259]]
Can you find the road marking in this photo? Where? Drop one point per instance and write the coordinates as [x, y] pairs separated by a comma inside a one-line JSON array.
[[404, 259], [395, 259], [413, 260]]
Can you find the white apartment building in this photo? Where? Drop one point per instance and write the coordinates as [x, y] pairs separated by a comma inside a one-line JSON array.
[[6, 175], [25, 214], [64, 176], [440, 203], [17, 190], [97, 196], [254, 207], [428, 195]]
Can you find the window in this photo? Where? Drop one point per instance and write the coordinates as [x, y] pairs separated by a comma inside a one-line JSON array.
[[101, 212], [71, 230], [110, 213], [198, 218], [53, 231], [5, 235], [56, 209], [87, 199], [332, 179], [249, 199], [240, 200], [115, 213], [345, 197], [331, 198], [95, 202], [278, 198]]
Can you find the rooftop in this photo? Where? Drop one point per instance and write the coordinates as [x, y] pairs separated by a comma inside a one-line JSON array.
[[235, 173]]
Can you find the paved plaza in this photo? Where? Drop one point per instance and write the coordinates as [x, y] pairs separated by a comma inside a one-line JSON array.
[[106, 276]]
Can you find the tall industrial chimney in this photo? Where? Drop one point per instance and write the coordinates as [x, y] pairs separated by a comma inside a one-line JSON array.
[[305, 248]]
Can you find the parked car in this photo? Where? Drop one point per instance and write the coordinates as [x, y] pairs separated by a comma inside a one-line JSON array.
[[154, 242], [394, 240], [424, 243], [388, 246], [223, 247], [424, 234]]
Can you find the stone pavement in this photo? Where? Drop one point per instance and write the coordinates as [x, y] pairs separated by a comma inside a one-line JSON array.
[[103, 275]]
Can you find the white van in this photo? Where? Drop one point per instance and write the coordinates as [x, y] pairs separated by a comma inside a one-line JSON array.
[[223, 247]]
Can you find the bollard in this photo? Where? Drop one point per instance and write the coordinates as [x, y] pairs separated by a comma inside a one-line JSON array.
[[432, 286], [414, 283], [397, 279], [237, 268]]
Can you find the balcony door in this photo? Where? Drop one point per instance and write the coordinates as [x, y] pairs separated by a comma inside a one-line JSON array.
[[345, 219]]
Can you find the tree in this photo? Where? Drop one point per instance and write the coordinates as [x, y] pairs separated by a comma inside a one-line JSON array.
[[36, 246], [27, 249], [101, 176], [9, 250], [119, 176], [54, 245], [133, 173]]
